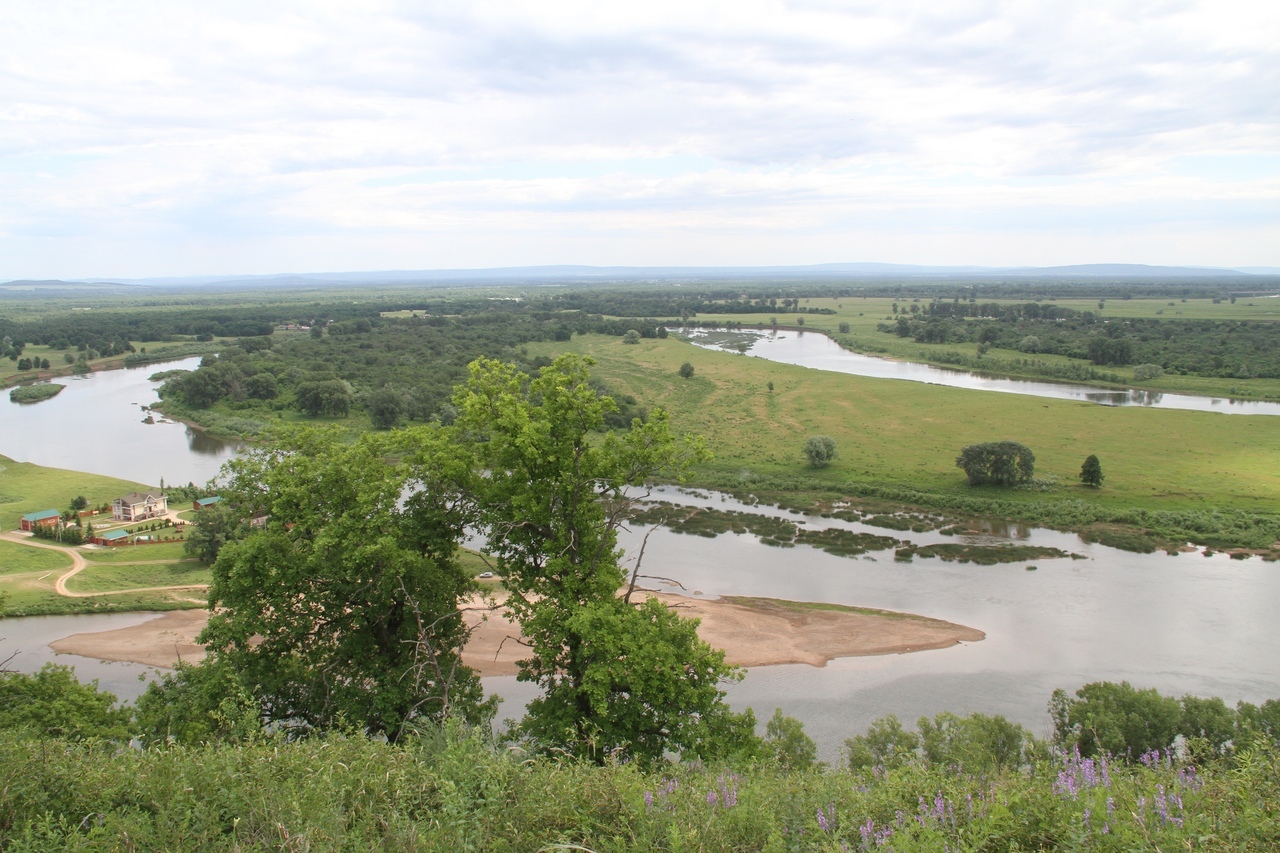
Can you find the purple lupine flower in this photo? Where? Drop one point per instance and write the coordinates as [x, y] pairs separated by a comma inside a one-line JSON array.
[[648, 800], [822, 821], [711, 798], [868, 831], [1085, 821]]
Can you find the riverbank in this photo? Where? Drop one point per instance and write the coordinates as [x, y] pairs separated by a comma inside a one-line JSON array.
[[752, 631]]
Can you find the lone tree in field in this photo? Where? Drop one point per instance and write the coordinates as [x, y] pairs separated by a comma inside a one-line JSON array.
[[686, 370], [631, 337], [1091, 472], [1003, 463], [820, 450]]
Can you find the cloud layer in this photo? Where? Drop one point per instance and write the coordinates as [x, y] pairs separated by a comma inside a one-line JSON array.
[[172, 138]]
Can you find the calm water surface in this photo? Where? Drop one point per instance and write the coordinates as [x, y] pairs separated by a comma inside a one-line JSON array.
[[96, 424], [816, 350]]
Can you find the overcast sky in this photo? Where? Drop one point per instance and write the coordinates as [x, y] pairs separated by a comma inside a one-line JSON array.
[[170, 138]]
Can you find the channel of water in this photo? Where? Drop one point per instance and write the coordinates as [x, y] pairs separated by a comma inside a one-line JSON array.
[[816, 350]]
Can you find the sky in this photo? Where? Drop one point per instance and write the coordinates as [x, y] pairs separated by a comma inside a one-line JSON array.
[[176, 138]]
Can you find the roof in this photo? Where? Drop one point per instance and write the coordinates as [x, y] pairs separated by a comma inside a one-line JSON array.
[[210, 501], [140, 497], [113, 534], [41, 515]]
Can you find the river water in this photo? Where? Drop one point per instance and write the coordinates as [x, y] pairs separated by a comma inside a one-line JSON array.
[[816, 350], [96, 424], [1183, 624]]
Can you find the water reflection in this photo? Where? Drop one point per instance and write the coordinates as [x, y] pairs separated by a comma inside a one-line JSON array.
[[821, 353], [201, 442]]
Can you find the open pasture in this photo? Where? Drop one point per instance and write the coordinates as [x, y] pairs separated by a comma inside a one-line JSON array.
[[910, 433]]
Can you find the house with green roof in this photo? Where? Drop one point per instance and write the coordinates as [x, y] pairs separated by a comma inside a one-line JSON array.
[[111, 537], [43, 518]]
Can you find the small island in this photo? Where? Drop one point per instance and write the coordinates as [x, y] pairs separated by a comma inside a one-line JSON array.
[[35, 393]]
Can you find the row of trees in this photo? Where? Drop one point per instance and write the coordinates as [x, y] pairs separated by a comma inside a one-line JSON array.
[[1223, 348]]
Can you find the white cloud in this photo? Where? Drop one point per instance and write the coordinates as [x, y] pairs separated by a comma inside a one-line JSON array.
[[306, 136]]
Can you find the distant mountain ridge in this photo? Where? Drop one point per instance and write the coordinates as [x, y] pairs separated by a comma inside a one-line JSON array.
[[585, 273]]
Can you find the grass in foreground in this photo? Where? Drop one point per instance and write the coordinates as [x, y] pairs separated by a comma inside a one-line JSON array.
[[456, 793]]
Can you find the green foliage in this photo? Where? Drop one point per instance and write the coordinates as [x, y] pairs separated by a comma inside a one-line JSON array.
[[35, 393], [686, 370], [978, 743], [1114, 719], [213, 527], [614, 678], [820, 450], [1147, 372], [787, 744], [386, 406], [631, 336], [1091, 472], [195, 705], [331, 397], [1002, 463], [342, 608], [53, 703], [455, 791], [885, 744]]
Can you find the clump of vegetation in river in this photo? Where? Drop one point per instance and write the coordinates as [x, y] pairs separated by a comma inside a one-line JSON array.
[[35, 393], [985, 555]]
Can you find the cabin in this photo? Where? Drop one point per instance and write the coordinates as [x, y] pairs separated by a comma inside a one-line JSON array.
[[111, 537], [137, 506], [43, 518], [204, 503]]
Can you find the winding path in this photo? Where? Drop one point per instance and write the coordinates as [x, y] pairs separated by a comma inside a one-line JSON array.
[[79, 564]]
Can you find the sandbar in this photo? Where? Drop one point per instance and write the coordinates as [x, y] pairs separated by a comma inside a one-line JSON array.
[[752, 631]]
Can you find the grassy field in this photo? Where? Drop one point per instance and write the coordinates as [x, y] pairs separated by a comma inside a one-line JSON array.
[[25, 488], [910, 433], [165, 551], [102, 577], [863, 314], [20, 560]]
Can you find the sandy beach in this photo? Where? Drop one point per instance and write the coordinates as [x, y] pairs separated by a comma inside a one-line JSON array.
[[753, 632]]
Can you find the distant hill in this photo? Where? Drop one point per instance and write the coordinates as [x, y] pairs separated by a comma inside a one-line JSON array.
[[554, 273]]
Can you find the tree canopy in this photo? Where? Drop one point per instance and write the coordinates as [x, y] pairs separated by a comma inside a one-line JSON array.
[[341, 606], [614, 676], [820, 450], [1002, 463]]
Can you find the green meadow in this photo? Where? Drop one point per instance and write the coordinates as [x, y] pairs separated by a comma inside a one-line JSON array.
[[122, 576], [909, 433], [25, 488]]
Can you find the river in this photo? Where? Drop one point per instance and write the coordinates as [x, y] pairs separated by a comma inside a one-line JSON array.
[[1183, 624], [817, 351], [97, 424]]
